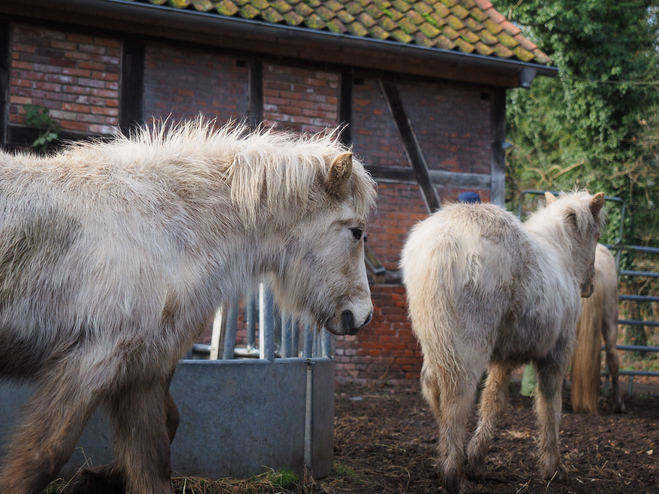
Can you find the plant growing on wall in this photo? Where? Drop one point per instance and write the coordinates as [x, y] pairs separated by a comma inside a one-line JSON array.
[[39, 117]]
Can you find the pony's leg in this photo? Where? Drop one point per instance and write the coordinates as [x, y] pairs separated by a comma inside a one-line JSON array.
[[493, 402], [610, 334], [53, 420], [110, 479], [142, 437], [548, 404], [451, 399]]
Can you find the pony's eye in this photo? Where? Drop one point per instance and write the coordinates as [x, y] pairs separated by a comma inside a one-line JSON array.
[[357, 233]]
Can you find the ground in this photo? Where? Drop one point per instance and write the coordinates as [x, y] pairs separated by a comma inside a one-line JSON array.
[[385, 440]]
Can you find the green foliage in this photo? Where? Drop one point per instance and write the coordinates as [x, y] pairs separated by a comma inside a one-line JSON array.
[[593, 125], [39, 117]]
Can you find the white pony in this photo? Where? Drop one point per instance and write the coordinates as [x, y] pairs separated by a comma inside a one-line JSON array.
[[488, 292], [113, 257]]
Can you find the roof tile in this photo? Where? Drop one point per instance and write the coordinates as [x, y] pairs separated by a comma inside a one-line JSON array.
[[336, 26], [429, 30], [465, 25], [492, 27], [522, 54], [302, 9], [483, 49], [401, 36], [387, 24], [487, 37], [333, 5], [401, 6], [179, 4], [325, 14], [464, 46], [423, 40], [293, 18], [454, 22], [460, 11], [450, 33], [271, 15], [314, 22], [444, 42], [507, 40], [357, 29], [226, 7], [365, 20], [502, 51], [354, 8], [281, 6], [478, 14], [468, 36], [345, 17], [374, 12], [249, 12], [378, 33], [203, 5], [407, 26], [415, 17]]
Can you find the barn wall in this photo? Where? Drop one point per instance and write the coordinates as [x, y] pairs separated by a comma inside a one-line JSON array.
[[76, 77], [182, 82]]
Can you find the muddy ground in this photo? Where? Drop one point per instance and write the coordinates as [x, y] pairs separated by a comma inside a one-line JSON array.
[[385, 440]]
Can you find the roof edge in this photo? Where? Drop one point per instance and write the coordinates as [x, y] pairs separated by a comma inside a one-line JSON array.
[[151, 13]]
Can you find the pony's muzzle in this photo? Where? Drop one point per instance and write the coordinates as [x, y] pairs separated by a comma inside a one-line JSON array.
[[348, 322], [587, 290]]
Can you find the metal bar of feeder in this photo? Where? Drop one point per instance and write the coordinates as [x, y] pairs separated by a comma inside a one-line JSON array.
[[308, 341], [231, 329], [266, 324], [250, 321], [286, 343]]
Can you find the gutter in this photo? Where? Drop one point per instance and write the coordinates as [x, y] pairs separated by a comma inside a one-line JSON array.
[[214, 23]]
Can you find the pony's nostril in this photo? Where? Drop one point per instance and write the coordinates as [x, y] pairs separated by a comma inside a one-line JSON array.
[[368, 319], [348, 320]]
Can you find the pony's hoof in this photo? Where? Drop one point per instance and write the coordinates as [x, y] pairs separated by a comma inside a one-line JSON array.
[[90, 482], [475, 470], [456, 484], [555, 474], [619, 407]]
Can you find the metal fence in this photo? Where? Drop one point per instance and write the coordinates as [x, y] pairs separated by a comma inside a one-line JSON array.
[[279, 334], [618, 247]]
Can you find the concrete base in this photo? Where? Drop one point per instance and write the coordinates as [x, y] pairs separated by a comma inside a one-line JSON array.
[[238, 417]]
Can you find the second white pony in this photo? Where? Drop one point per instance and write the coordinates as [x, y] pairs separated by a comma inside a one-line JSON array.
[[488, 292]]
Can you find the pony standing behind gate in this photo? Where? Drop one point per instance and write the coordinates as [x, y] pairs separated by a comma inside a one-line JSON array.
[[486, 291], [113, 257], [599, 319]]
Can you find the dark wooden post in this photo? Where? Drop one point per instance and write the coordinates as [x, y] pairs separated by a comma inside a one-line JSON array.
[[131, 110], [345, 106], [255, 107], [410, 143], [5, 61], [498, 153]]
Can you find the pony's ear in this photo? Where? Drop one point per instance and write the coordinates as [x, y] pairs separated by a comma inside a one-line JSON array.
[[549, 197], [596, 203], [339, 174]]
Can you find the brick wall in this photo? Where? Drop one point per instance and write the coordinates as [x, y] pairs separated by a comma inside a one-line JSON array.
[[300, 99], [76, 77], [386, 348], [182, 82], [452, 124]]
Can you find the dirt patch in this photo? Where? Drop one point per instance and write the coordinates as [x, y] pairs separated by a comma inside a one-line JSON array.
[[385, 440]]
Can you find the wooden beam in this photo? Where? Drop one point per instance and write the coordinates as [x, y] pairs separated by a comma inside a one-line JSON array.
[[497, 152], [439, 178], [345, 106], [5, 60], [255, 107], [131, 109], [410, 143]]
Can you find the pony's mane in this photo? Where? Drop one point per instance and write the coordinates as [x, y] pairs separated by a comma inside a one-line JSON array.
[[262, 165], [575, 203]]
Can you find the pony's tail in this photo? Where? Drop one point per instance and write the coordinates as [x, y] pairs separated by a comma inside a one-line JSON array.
[[587, 354]]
